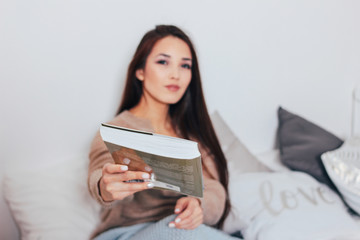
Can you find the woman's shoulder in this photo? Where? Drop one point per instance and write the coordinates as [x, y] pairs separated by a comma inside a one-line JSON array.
[[129, 120]]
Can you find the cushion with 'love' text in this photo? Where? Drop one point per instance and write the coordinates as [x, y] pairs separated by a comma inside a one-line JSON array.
[[287, 205]]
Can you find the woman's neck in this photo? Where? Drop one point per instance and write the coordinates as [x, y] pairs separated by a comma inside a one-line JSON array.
[[157, 113]]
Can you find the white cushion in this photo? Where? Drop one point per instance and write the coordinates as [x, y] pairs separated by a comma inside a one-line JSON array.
[[271, 159], [236, 153], [343, 167], [287, 205], [52, 202]]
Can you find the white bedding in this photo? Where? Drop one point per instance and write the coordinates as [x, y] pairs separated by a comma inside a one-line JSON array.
[[272, 160], [53, 202], [287, 205]]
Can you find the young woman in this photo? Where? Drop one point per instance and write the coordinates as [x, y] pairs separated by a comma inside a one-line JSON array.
[[163, 94]]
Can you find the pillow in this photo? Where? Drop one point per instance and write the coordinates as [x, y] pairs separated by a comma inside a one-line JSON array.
[[343, 167], [52, 202], [287, 205], [271, 159], [237, 155], [301, 144]]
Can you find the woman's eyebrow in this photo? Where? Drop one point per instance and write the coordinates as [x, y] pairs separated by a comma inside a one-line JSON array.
[[165, 55], [168, 56]]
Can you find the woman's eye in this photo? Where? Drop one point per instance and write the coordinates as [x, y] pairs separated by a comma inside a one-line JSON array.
[[162, 62], [187, 66]]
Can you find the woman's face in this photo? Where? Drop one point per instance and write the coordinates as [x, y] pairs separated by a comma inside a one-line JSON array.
[[167, 71]]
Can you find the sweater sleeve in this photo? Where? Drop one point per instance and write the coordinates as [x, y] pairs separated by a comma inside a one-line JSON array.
[[99, 156], [213, 202]]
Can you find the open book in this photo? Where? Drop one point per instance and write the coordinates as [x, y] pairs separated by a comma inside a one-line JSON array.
[[175, 162]]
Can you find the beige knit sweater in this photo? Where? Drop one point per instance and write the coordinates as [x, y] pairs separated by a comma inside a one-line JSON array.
[[152, 204]]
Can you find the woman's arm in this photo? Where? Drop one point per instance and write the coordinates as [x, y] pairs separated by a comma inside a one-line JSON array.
[[98, 156], [213, 202]]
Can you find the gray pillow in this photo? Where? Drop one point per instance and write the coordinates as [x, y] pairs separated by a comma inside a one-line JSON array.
[[237, 155], [301, 144]]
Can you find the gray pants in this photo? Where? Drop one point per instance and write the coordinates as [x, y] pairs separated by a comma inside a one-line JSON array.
[[160, 231]]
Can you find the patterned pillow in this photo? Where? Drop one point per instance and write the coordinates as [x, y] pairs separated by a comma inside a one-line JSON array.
[[287, 205], [343, 167]]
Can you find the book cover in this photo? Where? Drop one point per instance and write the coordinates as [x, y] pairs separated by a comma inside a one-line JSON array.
[[175, 162]]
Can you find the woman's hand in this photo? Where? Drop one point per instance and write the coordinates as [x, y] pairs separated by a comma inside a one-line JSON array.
[[190, 213], [113, 186]]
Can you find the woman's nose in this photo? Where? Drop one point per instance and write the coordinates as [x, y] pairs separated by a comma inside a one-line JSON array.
[[175, 73]]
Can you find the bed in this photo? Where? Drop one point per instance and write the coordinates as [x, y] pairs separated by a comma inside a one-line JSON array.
[[272, 196]]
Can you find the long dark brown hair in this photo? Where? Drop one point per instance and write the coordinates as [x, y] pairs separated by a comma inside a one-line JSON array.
[[189, 115]]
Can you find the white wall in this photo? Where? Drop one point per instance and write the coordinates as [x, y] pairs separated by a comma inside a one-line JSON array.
[[62, 66]]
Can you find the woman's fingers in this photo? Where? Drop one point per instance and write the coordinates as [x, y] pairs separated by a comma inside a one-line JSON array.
[[128, 187], [181, 204], [125, 176], [190, 213], [131, 159], [189, 223], [116, 182], [114, 168], [120, 190], [186, 206]]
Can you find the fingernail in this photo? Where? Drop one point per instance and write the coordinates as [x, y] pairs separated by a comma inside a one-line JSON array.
[[126, 161], [152, 176], [147, 168], [177, 220], [177, 210], [171, 225], [146, 175], [124, 168], [150, 185]]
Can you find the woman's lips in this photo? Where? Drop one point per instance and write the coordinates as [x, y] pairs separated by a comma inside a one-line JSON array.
[[172, 87]]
